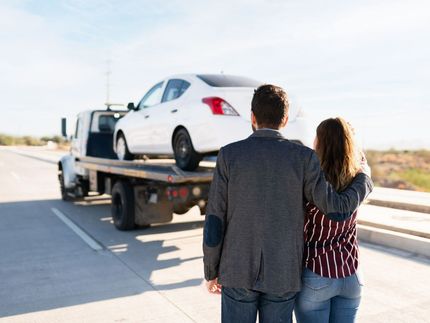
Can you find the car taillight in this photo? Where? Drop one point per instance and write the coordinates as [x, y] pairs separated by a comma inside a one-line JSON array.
[[220, 106]]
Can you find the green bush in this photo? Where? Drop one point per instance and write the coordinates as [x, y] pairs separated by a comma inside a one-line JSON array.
[[417, 177], [7, 140], [56, 139]]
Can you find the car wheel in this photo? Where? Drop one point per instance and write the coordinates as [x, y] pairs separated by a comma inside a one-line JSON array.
[[122, 206], [185, 155], [122, 151]]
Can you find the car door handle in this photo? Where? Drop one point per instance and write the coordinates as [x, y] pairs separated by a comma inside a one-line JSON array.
[[147, 116], [174, 111]]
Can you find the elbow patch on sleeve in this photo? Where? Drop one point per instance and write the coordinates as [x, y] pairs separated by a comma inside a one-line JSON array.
[[213, 231]]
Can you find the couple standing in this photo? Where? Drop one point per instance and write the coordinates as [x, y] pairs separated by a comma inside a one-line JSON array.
[[280, 222]]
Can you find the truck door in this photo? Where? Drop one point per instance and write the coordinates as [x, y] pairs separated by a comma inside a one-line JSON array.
[[75, 145], [80, 137]]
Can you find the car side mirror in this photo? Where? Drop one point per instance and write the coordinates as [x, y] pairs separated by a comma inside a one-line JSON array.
[[130, 106]]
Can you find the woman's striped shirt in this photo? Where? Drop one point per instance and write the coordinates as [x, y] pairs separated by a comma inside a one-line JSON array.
[[331, 248]]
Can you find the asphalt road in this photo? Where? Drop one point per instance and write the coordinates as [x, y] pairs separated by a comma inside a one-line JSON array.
[[48, 273]]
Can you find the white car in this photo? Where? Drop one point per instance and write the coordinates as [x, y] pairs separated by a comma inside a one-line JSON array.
[[191, 116]]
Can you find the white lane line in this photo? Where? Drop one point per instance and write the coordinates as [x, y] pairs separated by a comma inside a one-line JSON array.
[[15, 175], [84, 236]]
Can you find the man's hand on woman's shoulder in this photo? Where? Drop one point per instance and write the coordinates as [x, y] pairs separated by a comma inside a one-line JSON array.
[[365, 168]]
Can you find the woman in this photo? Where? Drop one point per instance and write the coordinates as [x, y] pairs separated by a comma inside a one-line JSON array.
[[331, 288]]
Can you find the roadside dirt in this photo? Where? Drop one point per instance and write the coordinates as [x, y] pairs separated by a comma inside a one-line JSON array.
[[401, 169]]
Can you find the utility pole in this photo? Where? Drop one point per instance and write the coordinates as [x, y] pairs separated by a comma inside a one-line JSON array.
[[108, 103], [108, 73]]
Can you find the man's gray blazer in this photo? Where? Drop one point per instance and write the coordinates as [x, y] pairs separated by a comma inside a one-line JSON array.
[[253, 234]]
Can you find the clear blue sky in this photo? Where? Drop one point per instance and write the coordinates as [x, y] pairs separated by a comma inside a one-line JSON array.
[[368, 61]]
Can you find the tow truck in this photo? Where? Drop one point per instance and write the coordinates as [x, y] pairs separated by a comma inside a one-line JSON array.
[[142, 191]]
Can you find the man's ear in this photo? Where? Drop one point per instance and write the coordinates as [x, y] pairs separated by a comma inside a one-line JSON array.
[[284, 121], [254, 120]]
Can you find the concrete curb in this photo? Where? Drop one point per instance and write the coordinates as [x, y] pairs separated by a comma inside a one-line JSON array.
[[390, 228], [400, 205], [406, 242]]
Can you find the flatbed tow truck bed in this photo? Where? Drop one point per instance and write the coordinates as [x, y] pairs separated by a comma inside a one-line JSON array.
[[145, 192], [163, 170]]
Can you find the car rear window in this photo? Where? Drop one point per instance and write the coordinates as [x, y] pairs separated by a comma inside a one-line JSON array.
[[228, 80]]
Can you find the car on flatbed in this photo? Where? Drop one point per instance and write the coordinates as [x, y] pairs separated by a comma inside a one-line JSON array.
[[191, 116]]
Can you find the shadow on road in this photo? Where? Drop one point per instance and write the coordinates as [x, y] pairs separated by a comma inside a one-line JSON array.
[[45, 265]]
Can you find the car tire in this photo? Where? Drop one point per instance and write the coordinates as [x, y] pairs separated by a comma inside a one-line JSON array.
[[122, 151], [122, 206], [185, 155]]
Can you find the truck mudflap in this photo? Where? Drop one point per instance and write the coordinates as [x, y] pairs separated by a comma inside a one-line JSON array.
[[185, 197], [151, 206]]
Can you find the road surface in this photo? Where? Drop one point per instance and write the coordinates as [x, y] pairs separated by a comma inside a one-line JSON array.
[[65, 262]]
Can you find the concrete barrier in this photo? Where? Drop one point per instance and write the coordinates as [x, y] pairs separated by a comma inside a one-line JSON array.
[[400, 199], [406, 242]]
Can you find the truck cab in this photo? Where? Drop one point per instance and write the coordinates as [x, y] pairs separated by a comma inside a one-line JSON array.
[[92, 137]]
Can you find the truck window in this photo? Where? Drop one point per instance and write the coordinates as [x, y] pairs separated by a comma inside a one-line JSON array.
[[107, 123]]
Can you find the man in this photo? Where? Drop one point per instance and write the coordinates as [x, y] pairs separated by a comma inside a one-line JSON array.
[[253, 234]]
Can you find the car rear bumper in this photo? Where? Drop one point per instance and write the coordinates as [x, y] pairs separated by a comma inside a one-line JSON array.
[[213, 135]]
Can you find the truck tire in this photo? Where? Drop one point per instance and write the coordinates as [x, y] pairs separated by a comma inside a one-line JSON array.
[[64, 191], [185, 155], [122, 151], [122, 206], [181, 209]]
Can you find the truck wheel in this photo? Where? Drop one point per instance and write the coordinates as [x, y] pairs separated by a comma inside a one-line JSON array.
[[85, 185], [122, 151], [64, 191], [181, 209], [123, 206], [185, 155]]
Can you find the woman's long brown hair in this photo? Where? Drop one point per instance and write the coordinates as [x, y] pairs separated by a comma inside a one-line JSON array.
[[336, 150]]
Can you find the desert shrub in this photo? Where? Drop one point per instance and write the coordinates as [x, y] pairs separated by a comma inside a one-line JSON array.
[[6, 140], [417, 177], [56, 139]]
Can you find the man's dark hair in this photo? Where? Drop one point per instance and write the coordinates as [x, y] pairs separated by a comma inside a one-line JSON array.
[[270, 106]]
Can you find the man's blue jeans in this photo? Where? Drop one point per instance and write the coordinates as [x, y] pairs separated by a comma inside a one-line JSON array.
[[240, 305], [328, 300]]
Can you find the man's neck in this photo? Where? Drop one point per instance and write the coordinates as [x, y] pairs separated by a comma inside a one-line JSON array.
[[268, 129]]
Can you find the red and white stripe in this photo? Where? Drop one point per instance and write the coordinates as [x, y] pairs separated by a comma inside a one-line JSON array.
[[331, 248]]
